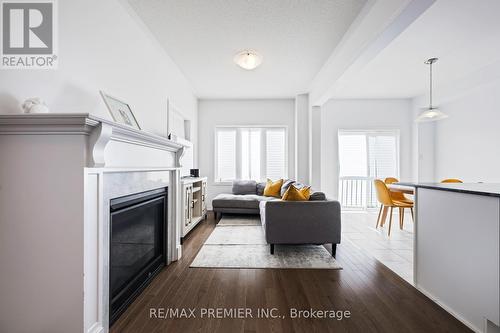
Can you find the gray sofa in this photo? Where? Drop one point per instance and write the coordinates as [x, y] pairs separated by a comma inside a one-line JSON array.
[[316, 221]]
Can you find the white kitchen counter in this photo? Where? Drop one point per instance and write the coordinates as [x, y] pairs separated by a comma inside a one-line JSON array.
[[456, 250]]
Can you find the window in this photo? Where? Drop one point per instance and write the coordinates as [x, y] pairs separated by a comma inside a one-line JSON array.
[[254, 153], [363, 157]]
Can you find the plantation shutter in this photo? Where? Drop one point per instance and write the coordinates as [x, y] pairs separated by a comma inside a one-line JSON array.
[[276, 153], [226, 155]]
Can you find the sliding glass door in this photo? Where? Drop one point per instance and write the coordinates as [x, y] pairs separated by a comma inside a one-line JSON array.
[[365, 155]]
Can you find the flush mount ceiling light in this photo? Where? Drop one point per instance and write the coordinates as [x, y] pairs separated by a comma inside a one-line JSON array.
[[248, 59], [431, 113]]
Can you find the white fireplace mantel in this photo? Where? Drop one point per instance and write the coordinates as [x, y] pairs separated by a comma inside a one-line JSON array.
[[58, 173], [101, 133]]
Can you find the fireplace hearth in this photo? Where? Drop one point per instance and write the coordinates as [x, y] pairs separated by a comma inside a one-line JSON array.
[[138, 246]]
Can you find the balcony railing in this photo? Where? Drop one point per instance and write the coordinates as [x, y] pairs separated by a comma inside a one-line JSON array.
[[357, 192]]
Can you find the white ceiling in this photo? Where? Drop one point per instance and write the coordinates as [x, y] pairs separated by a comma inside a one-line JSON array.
[[294, 37], [463, 34]]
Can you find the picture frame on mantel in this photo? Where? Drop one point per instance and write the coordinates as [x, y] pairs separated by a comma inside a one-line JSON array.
[[120, 111]]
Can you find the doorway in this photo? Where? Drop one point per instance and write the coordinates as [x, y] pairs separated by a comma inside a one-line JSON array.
[[365, 155]]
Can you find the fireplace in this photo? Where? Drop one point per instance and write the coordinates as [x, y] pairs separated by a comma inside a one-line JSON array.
[[138, 246]]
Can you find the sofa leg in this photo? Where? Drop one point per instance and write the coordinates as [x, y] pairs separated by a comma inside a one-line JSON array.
[[334, 249], [272, 248], [217, 216]]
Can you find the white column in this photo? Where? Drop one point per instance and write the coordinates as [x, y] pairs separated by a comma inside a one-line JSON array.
[[315, 148], [302, 138]]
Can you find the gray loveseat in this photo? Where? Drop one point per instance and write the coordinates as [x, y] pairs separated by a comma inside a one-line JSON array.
[[316, 221]]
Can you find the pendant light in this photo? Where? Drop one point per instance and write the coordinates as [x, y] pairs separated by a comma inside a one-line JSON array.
[[431, 113]]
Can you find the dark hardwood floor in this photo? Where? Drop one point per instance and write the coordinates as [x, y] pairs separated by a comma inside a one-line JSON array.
[[378, 299]]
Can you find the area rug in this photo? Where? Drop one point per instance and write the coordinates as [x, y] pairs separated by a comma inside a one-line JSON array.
[[243, 245]]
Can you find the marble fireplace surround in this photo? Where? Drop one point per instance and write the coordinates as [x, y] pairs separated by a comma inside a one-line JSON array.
[[103, 185], [83, 162]]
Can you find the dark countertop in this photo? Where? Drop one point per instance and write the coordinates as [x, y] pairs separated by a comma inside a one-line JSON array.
[[487, 189]]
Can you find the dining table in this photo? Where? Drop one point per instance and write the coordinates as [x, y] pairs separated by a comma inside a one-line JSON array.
[[395, 187]]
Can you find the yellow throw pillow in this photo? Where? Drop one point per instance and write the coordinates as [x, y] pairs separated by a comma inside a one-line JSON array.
[[293, 194], [273, 189], [306, 192]]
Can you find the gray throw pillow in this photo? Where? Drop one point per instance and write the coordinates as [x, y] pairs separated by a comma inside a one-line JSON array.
[[317, 196], [260, 188], [244, 187], [286, 185]]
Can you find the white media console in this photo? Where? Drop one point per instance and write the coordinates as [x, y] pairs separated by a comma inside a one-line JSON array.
[[194, 205]]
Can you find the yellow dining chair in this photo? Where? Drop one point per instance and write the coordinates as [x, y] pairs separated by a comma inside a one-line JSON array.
[[391, 180], [398, 196], [451, 180], [384, 197]]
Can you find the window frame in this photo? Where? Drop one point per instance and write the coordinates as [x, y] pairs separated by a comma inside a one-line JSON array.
[[238, 149]]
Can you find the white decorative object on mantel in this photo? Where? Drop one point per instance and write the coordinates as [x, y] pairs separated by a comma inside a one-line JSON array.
[[67, 167], [35, 105]]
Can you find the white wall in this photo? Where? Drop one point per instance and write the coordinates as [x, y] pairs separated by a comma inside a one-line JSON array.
[[362, 114], [467, 143], [212, 113], [103, 45]]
